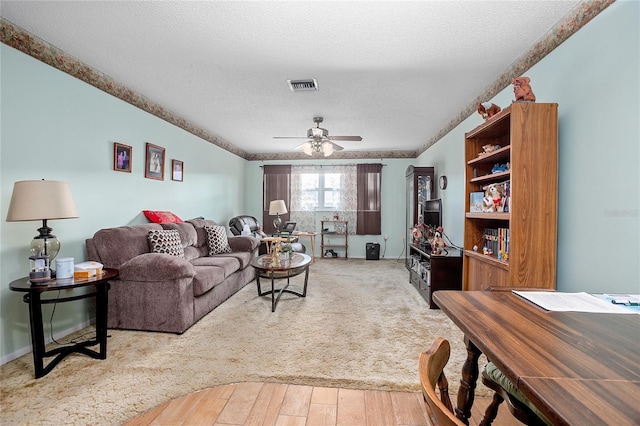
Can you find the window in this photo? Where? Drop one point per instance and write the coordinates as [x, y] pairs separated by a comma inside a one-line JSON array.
[[320, 191]]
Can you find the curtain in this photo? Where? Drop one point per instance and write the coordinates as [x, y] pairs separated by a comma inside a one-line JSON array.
[[369, 179], [304, 209], [276, 186]]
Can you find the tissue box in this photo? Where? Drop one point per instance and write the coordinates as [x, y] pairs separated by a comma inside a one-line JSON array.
[[87, 269]]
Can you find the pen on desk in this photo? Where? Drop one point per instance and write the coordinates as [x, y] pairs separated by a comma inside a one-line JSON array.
[[625, 302]]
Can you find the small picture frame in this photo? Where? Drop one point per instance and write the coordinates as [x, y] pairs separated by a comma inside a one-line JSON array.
[[154, 162], [177, 170], [122, 157]]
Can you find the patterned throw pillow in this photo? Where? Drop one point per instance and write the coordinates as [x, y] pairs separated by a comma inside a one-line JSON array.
[[157, 216], [166, 241], [217, 239]]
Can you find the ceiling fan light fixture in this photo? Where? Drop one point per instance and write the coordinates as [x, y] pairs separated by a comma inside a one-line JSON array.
[[307, 148], [327, 148]]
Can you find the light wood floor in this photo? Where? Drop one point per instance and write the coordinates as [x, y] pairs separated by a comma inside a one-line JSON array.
[[293, 405]]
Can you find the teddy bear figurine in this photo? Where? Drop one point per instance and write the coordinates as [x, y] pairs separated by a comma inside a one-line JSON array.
[[522, 89], [492, 201], [488, 109]]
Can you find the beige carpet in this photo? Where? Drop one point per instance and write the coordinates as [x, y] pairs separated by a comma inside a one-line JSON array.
[[361, 326]]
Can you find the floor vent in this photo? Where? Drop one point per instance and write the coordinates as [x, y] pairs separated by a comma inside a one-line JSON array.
[[303, 85]]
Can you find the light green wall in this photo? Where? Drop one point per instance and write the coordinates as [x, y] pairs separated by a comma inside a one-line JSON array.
[[56, 127], [393, 204], [59, 128], [594, 77]]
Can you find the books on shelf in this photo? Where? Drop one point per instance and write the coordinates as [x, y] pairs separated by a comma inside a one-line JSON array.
[[495, 242]]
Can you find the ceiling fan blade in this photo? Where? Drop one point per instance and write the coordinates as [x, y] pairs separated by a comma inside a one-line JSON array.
[[300, 146], [337, 147], [290, 137], [345, 138]]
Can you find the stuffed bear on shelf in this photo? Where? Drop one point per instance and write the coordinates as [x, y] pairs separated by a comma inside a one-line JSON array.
[[493, 198]]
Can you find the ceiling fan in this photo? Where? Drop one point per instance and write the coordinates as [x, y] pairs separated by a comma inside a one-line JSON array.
[[319, 140]]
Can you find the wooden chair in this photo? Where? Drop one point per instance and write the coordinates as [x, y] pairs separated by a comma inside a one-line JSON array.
[[518, 409], [431, 370]]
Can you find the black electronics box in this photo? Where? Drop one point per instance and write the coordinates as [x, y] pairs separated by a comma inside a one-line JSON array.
[[373, 251]]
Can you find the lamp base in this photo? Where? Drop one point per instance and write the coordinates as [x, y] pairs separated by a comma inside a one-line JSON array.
[[277, 223], [46, 243]]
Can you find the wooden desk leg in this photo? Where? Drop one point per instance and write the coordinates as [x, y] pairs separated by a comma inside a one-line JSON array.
[[313, 248], [468, 382]]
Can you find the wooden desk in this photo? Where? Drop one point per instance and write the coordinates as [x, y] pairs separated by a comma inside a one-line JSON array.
[[312, 237], [577, 368]]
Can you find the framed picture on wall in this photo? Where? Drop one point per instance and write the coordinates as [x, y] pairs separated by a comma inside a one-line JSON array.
[[122, 157], [154, 162], [177, 168]]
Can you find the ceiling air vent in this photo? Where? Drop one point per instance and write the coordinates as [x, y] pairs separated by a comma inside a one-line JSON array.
[[309, 85]]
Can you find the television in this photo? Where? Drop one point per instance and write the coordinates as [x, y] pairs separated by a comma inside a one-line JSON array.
[[432, 212]]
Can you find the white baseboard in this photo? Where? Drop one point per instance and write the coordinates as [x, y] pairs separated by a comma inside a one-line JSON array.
[[47, 340]]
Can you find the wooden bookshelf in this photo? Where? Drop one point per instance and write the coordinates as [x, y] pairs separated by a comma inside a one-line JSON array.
[[528, 137]]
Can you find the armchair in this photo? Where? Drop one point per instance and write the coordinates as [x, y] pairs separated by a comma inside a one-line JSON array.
[[236, 225]]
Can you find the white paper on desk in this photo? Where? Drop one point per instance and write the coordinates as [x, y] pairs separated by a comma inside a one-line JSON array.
[[571, 302]]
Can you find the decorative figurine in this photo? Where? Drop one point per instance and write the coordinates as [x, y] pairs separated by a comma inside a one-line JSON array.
[[492, 201], [437, 243], [497, 168], [522, 89], [488, 110], [488, 149]]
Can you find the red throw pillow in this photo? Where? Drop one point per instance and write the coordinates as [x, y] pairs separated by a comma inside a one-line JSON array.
[[156, 216]]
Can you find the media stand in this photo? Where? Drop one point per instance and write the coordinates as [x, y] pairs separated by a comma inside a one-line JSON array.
[[432, 272]]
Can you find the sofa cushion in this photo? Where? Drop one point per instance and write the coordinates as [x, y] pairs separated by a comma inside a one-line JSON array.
[[228, 263], [115, 246], [156, 267], [157, 216], [217, 240], [207, 277], [243, 243], [166, 241], [201, 235], [244, 257], [187, 232]]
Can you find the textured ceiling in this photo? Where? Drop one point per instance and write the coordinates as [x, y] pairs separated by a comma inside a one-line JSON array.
[[392, 72]]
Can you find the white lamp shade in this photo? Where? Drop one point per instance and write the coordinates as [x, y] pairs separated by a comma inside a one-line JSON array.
[[277, 207], [41, 199], [307, 148], [327, 148]]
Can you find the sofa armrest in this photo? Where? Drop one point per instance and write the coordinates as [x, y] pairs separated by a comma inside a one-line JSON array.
[[156, 267], [243, 243]]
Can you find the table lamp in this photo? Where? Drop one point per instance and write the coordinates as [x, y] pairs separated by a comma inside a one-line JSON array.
[[42, 200], [276, 208]]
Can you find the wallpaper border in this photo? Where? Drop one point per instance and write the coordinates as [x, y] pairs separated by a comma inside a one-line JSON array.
[[18, 38]]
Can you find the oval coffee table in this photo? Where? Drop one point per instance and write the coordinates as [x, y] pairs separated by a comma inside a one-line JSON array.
[[297, 264]]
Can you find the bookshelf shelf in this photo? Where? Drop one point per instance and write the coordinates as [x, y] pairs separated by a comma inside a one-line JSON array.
[[528, 136], [487, 259], [497, 155], [493, 177], [488, 216]]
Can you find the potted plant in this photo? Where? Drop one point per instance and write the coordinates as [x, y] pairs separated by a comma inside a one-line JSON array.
[[286, 249]]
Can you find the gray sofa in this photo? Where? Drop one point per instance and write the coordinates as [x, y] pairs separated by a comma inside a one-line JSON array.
[[161, 292]]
